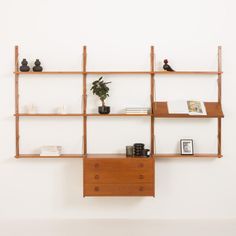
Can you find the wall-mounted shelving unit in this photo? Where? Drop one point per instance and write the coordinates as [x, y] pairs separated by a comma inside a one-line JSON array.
[[136, 175], [213, 110]]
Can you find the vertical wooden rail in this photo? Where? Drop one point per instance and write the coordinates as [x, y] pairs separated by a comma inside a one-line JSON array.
[[17, 101], [84, 101], [219, 97], [152, 98]]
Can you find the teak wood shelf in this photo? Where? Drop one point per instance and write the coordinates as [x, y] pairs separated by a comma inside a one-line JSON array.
[[38, 156], [118, 72], [114, 174], [213, 110], [71, 114], [177, 155]]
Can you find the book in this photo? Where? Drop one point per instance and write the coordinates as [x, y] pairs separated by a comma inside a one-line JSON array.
[[50, 151], [186, 107], [137, 110]]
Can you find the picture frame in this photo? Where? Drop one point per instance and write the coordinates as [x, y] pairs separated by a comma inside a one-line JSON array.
[[186, 147]]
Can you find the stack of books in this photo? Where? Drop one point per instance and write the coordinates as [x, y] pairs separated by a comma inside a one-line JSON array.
[[50, 151], [137, 110]]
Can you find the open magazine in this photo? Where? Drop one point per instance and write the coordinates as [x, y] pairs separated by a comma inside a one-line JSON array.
[[187, 107]]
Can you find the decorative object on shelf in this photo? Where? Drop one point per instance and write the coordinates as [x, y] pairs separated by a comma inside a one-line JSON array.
[[37, 67], [166, 66], [146, 152], [129, 151], [61, 109], [99, 87], [31, 109], [24, 66], [186, 146], [51, 150], [196, 108], [137, 110], [187, 107], [138, 149]]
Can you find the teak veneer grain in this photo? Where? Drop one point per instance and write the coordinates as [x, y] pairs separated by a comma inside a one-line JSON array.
[[38, 156], [118, 72], [121, 176], [77, 114], [213, 110], [196, 155]]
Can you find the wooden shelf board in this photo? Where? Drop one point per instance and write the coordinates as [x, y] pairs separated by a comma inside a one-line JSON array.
[[118, 72], [77, 156], [196, 155], [38, 156], [213, 110], [111, 156], [49, 73], [119, 114], [74, 114], [48, 114], [189, 72], [175, 155]]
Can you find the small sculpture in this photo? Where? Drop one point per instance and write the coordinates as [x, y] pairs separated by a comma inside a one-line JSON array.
[[24, 66], [37, 67], [166, 66], [31, 109], [61, 109]]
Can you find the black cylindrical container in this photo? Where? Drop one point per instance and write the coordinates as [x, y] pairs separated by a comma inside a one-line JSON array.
[[104, 110], [138, 149]]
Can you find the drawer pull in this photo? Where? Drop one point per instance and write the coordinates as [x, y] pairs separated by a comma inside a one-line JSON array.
[[141, 188], [96, 177], [141, 165], [96, 189], [141, 176], [96, 165]]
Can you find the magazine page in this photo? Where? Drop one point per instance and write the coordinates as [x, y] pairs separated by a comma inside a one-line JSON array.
[[196, 108], [177, 107]]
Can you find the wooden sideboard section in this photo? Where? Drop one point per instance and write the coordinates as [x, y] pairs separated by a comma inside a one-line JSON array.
[[119, 176]]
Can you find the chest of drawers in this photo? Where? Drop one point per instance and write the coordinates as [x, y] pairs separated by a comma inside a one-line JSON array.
[[118, 176]]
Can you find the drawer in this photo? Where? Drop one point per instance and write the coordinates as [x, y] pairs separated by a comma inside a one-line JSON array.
[[119, 176], [119, 190], [118, 164]]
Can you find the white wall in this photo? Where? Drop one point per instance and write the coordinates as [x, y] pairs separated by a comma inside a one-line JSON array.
[[118, 35]]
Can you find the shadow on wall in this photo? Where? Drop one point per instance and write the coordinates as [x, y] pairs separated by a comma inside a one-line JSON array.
[[72, 190], [72, 184]]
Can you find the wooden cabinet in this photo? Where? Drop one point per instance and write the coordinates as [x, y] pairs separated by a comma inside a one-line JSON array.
[[118, 177]]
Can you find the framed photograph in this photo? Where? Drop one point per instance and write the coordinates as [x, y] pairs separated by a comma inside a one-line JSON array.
[[186, 146]]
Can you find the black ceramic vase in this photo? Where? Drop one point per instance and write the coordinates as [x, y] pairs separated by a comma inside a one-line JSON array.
[[24, 66], [37, 67], [104, 110]]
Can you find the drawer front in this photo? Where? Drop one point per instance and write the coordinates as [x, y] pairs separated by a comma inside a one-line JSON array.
[[118, 164], [119, 190], [119, 177]]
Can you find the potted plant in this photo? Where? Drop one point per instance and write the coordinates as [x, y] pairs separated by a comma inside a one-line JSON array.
[[99, 87]]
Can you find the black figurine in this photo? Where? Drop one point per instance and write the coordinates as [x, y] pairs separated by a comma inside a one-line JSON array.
[[24, 66], [37, 67], [166, 66]]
